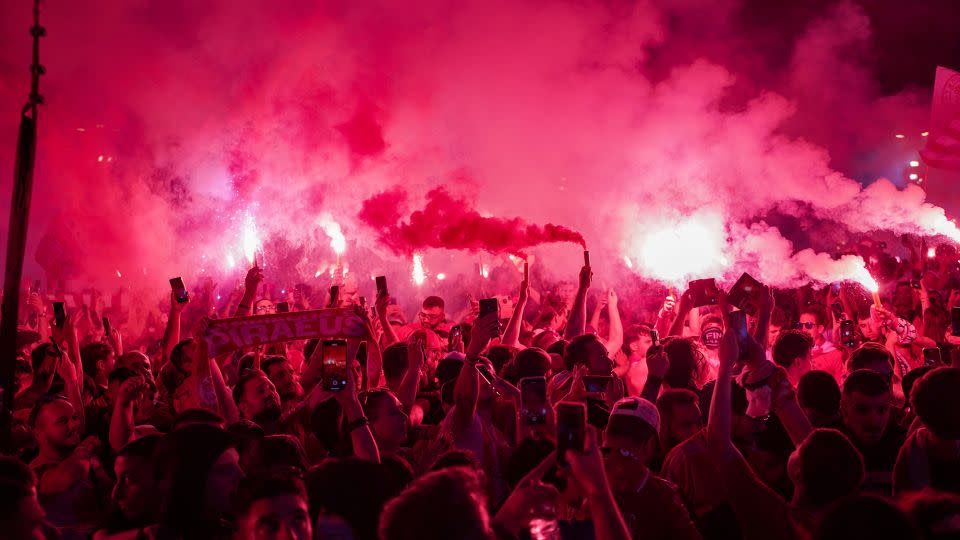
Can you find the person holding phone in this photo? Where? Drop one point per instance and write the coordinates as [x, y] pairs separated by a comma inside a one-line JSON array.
[[651, 506]]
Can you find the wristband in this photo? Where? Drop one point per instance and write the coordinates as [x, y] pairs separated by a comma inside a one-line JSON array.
[[358, 423]]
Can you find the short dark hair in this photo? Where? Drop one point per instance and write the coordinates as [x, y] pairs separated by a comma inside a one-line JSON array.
[[867, 354], [631, 428], [818, 390], [177, 354], [500, 355], [911, 379], [672, 397], [263, 486], [91, 353], [371, 399], [121, 374], [37, 355], [245, 377], [831, 467], [790, 346], [530, 452], [270, 361], [633, 333], [42, 402], [456, 458], [274, 452], [433, 301], [17, 482], [144, 447], [395, 360], [353, 489], [936, 401], [779, 318], [531, 362], [864, 516], [685, 359], [866, 382], [577, 350], [197, 416], [455, 493]]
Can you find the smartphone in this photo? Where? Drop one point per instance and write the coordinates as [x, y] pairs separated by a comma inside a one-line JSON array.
[[533, 401], [334, 367], [745, 293], [334, 296], [704, 292], [283, 307], [179, 290], [586, 258], [654, 338], [456, 333], [485, 373], [847, 336], [488, 306], [738, 324], [932, 356], [106, 326], [571, 429], [381, 285], [596, 384], [60, 314], [955, 320]]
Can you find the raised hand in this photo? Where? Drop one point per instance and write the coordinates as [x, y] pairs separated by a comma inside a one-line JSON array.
[[587, 467], [130, 391], [484, 329], [586, 277]]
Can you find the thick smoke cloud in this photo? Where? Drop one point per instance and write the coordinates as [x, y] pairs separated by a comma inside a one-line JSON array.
[[174, 130]]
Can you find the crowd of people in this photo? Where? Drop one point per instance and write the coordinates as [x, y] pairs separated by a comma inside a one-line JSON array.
[[814, 412]]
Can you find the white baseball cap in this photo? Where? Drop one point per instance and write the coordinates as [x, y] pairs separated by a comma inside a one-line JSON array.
[[639, 408]]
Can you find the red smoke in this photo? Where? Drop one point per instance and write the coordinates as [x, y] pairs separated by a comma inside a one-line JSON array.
[[451, 223]]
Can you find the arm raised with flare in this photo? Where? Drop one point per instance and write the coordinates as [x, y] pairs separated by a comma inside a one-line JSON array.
[[250, 285], [577, 322], [511, 336]]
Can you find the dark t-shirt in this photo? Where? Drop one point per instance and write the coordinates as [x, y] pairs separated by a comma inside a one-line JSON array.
[[879, 459]]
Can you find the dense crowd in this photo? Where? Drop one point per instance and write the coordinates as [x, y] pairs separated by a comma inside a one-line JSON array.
[[814, 412]]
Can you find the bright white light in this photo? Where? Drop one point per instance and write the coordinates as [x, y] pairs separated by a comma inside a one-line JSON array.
[[931, 252], [100, 158], [484, 271], [418, 274], [337, 241], [862, 276], [119, 274], [231, 262], [627, 261], [899, 135], [914, 163], [681, 248], [316, 275], [249, 238], [925, 133], [914, 176], [441, 276]]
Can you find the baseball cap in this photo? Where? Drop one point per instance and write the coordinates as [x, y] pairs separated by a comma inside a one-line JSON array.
[[638, 408]]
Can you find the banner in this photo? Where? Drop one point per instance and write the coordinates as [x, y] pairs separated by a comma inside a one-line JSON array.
[[943, 143], [226, 335]]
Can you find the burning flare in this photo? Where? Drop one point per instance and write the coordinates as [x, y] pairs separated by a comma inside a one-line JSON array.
[[419, 275], [674, 251]]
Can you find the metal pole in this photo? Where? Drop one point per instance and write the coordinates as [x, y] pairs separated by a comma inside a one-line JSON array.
[[17, 234]]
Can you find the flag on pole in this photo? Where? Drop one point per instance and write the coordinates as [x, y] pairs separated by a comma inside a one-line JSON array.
[[943, 142]]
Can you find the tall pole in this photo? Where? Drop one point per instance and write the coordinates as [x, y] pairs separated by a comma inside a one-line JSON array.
[[17, 234]]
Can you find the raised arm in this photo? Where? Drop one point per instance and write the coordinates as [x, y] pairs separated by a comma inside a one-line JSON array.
[[588, 469], [577, 322], [250, 285], [467, 389], [364, 444], [407, 392], [171, 335], [683, 309], [615, 339], [511, 336], [121, 421], [389, 336], [764, 312]]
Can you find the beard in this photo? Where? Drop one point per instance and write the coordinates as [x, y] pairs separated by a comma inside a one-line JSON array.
[[270, 414]]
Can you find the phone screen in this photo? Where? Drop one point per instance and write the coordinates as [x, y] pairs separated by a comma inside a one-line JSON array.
[[847, 337], [745, 292], [931, 356], [334, 364], [381, 285], [335, 296], [654, 338], [60, 315], [704, 292], [533, 401], [596, 384], [488, 306], [738, 323], [571, 429], [179, 290], [106, 326], [955, 320], [362, 360]]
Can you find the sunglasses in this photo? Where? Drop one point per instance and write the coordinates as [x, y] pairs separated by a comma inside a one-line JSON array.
[[807, 325]]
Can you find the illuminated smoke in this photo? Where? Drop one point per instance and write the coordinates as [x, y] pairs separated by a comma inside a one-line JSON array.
[[418, 274]]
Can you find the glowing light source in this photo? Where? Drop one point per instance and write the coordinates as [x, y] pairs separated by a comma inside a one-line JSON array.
[[441, 276], [484, 271], [899, 135], [249, 238], [925, 133], [338, 242], [100, 159], [419, 275], [914, 163], [231, 262], [861, 275], [683, 247], [931, 252], [914, 176], [627, 261], [317, 274], [119, 275]]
